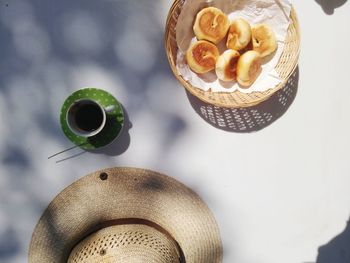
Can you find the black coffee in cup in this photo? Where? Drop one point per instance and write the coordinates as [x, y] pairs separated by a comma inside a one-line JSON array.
[[88, 117]]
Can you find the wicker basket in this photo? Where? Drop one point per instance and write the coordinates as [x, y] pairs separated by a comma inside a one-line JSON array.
[[237, 99]]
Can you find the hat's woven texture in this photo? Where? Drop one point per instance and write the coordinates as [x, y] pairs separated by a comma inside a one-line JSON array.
[[122, 193], [126, 243]]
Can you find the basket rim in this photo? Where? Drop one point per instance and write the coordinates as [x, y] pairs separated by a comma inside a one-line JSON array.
[[258, 99]]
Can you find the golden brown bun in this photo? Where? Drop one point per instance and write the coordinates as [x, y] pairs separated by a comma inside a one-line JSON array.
[[248, 68], [226, 65], [239, 34], [264, 39], [201, 56], [211, 24]]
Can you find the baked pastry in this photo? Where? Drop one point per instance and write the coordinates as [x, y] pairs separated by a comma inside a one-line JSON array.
[[264, 39], [239, 34], [226, 65], [248, 68], [211, 24], [201, 56]]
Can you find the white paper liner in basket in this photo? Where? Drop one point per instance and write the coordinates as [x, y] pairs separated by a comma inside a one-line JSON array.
[[272, 12]]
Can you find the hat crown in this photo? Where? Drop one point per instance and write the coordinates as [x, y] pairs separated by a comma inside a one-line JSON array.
[[134, 243]]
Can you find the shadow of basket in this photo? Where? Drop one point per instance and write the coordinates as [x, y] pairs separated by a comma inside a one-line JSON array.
[[255, 118]]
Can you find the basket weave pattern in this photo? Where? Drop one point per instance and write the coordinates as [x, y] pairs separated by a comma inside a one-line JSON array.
[[286, 65]]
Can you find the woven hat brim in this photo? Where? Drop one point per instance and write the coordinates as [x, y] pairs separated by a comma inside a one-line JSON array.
[[126, 193]]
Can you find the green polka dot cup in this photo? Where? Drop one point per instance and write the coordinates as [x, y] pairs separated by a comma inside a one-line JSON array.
[[91, 118]]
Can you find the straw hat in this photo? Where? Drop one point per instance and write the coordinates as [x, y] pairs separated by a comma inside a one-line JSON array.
[[126, 215]]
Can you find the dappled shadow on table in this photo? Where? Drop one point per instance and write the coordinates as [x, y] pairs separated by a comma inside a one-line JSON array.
[[49, 50], [255, 118], [9, 244]]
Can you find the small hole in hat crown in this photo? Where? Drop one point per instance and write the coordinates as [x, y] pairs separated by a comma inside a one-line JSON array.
[[102, 252], [103, 176]]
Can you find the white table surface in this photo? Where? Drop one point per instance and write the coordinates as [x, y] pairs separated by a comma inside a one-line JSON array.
[[278, 194]]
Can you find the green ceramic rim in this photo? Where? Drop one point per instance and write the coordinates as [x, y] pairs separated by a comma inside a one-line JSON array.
[[114, 120]]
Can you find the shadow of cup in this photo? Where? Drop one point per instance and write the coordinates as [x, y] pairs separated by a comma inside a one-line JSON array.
[[121, 143], [255, 118]]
